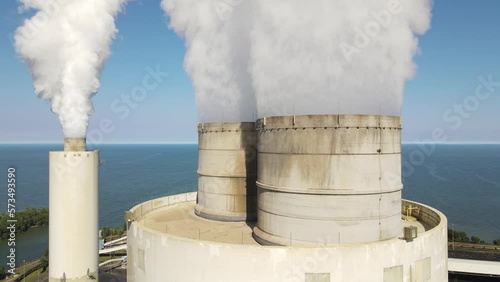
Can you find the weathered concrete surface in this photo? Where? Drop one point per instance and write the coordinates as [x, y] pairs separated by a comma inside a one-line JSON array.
[[74, 144], [174, 253], [180, 220], [227, 169], [329, 179], [73, 217]]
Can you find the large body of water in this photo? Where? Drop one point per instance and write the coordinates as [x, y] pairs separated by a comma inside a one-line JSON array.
[[462, 181]]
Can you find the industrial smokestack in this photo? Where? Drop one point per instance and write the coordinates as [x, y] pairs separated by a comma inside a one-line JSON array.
[[73, 205], [65, 45], [328, 179], [74, 144], [227, 170]]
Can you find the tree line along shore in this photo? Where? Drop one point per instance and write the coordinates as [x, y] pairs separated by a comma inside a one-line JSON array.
[[35, 217], [25, 219]]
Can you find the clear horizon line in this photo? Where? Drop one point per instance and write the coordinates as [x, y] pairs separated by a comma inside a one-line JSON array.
[[192, 143], [124, 143], [455, 143]]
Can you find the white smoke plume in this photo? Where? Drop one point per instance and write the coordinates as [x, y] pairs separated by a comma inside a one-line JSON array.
[[301, 56], [322, 57], [65, 45], [216, 59]]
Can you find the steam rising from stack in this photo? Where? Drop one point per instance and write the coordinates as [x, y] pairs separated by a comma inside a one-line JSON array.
[[65, 45], [216, 60], [339, 67], [298, 57]]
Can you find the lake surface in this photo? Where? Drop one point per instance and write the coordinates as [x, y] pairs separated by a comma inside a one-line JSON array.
[[462, 181]]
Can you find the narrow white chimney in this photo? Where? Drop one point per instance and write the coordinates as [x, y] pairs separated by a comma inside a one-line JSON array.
[[73, 212]]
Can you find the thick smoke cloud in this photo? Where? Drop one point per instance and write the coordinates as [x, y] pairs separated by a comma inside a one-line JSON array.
[[65, 45], [216, 59], [334, 56], [301, 56]]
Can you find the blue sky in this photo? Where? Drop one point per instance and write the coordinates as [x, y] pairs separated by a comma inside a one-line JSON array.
[[459, 54]]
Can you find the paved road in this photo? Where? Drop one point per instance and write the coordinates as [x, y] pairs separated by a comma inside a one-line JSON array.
[[20, 269]]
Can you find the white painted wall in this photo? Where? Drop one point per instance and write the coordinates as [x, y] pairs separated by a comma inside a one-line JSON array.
[[153, 256], [73, 216], [227, 170]]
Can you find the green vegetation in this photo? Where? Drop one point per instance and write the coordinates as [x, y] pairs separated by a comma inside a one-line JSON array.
[[112, 232], [35, 276], [3, 272], [462, 237], [497, 242], [457, 236], [476, 240], [31, 271], [26, 219], [44, 261]]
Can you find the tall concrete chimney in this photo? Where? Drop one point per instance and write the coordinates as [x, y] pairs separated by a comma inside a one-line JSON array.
[[227, 169], [73, 213], [328, 179]]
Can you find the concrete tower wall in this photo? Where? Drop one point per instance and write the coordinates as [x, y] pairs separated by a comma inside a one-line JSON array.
[[227, 169], [73, 217], [326, 179], [154, 255]]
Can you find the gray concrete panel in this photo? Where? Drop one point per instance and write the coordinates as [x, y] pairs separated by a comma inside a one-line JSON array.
[[227, 170], [330, 174], [322, 177], [331, 207]]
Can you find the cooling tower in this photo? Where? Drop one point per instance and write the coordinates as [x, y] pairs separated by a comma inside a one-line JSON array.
[[328, 179], [73, 217], [227, 169]]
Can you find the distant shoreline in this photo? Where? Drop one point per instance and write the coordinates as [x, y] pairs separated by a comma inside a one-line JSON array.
[[195, 143]]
